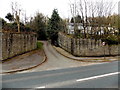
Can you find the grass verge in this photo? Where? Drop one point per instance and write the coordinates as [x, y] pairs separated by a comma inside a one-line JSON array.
[[39, 45]]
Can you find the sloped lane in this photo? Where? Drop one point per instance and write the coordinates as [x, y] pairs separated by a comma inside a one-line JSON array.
[[57, 61]]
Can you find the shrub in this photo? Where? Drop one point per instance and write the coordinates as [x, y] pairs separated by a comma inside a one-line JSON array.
[[39, 45], [112, 39]]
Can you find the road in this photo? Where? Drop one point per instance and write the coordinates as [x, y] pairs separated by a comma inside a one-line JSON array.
[[103, 75], [56, 60]]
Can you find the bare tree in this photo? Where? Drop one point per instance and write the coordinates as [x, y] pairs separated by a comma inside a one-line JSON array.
[[25, 17], [93, 14], [104, 10], [73, 9], [16, 13], [92, 21], [83, 11], [86, 16]]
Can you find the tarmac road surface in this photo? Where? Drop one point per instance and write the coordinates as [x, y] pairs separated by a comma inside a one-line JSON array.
[[94, 76]]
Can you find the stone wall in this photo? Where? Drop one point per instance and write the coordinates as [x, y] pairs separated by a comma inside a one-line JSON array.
[[85, 47], [0, 46], [13, 44]]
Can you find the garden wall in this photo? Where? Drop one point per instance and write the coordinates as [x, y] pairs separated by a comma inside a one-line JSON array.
[[85, 47], [12, 44], [0, 46]]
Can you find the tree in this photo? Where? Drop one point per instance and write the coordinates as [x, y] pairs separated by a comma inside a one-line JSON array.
[[2, 23], [54, 26], [38, 24], [73, 8], [63, 25], [10, 17], [72, 20], [79, 9], [88, 11], [16, 12], [78, 19]]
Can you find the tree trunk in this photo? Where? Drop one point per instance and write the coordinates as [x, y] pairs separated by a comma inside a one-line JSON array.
[[18, 27]]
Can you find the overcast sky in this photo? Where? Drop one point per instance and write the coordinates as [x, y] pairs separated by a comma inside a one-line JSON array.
[[43, 6]]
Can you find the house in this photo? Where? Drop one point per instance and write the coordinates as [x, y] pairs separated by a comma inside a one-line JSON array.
[[97, 30], [70, 27]]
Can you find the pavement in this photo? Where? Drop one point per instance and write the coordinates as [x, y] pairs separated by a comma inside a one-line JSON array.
[[103, 75], [86, 59], [24, 62]]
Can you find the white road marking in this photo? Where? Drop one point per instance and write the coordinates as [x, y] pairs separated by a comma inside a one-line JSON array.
[[94, 77], [40, 87]]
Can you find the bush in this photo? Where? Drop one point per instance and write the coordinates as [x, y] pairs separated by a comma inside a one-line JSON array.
[[12, 27], [39, 45], [112, 39]]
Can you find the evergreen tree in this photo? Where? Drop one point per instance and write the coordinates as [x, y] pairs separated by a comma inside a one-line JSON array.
[[78, 19], [10, 17], [2, 23], [54, 26], [72, 20]]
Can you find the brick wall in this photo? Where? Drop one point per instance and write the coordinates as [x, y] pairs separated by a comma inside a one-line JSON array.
[[13, 44], [85, 47]]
